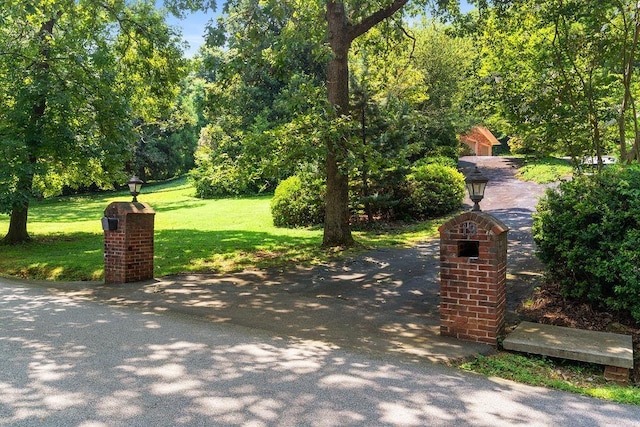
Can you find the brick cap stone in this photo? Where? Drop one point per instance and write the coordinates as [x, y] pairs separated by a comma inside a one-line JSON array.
[[485, 220], [124, 208]]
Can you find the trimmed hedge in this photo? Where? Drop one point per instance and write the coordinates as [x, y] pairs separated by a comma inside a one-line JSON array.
[[430, 191], [298, 202], [588, 235], [434, 190]]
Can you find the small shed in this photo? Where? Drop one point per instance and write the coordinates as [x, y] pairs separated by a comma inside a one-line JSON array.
[[480, 140]]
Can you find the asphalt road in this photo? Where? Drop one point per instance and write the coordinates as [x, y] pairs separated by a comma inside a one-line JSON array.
[[69, 361]]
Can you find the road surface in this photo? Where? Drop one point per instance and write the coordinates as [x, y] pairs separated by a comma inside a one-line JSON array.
[[69, 361]]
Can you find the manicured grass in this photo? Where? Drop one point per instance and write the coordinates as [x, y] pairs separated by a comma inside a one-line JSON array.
[[191, 235], [546, 170], [575, 377]]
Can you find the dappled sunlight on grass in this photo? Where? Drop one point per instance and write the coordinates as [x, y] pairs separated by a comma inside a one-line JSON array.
[[73, 256], [191, 235]]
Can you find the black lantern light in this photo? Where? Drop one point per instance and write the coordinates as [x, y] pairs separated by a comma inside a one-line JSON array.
[[135, 184], [476, 183]]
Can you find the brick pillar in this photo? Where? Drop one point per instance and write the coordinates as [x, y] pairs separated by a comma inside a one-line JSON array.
[[617, 375], [473, 267], [128, 249]]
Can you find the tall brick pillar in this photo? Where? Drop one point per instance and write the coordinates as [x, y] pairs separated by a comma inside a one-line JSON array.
[[473, 268], [128, 242]]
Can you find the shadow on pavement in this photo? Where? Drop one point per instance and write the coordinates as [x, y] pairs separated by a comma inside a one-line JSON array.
[[383, 300]]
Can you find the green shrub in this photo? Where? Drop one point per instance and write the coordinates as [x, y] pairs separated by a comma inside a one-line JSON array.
[[220, 180], [440, 160], [433, 190], [588, 234], [298, 202]]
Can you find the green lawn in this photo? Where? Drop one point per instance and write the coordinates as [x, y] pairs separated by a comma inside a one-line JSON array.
[[190, 235], [546, 170], [576, 377]]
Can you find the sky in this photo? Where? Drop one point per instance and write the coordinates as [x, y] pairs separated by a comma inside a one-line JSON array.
[[192, 27]]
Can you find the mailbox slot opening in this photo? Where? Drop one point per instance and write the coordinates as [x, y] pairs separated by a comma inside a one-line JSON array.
[[469, 248]]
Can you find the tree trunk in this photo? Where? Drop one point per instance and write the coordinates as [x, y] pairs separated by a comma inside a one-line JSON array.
[[628, 60], [18, 221], [17, 227], [336, 221], [340, 35], [33, 137]]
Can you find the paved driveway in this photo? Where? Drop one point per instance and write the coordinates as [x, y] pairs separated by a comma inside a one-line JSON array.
[[513, 202], [383, 300]]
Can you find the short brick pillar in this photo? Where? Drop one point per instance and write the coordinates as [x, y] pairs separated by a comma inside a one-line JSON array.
[[473, 267], [617, 375], [128, 242]]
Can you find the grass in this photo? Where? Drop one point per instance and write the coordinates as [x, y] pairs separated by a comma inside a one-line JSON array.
[[191, 235], [576, 377], [545, 170], [194, 235]]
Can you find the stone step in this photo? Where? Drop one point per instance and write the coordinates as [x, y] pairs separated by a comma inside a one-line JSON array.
[[603, 348]]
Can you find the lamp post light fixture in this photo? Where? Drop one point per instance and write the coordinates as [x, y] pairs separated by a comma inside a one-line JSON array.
[[135, 184], [476, 184]]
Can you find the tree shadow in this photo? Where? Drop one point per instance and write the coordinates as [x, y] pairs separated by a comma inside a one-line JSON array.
[[186, 250], [69, 361], [79, 209], [80, 256], [497, 169]]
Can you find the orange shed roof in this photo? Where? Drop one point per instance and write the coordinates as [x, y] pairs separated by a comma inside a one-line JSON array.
[[480, 135]]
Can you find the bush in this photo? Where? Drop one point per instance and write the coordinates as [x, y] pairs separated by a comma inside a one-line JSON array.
[[588, 234], [440, 160], [221, 180], [298, 202], [434, 190]]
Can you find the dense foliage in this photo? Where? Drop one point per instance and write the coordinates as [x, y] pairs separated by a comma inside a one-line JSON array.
[[268, 113], [434, 190], [165, 148], [588, 234], [78, 83], [93, 91], [298, 201], [560, 76]]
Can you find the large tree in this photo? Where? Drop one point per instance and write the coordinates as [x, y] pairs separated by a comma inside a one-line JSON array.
[[343, 29], [75, 78], [564, 75], [278, 34]]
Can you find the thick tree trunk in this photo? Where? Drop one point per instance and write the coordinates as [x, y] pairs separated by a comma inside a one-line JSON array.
[[341, 33], [18, 221], [336, 222], [17, 227], [33, 137]]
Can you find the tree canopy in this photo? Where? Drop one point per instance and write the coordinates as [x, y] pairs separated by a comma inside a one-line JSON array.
[[76, 77], [562, 75], [280, 43], [358, 91]]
